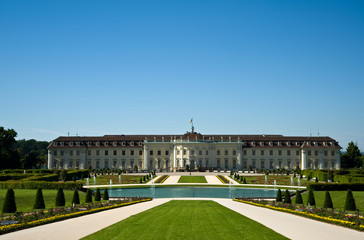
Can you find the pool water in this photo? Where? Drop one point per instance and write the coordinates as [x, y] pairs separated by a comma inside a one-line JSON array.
[[193, 192]]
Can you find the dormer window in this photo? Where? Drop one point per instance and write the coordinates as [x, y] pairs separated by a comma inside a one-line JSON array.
[[279, 143], [308, 143], [140, 143], [71, 143], [261, 143], [253, 143], [106, 143], [325, 143], [288, 143], [115, 143], [98, 143], [89, 144], [62, 143], [332, 143], [298, 143], [316, 143], [123, 143], [78, 143], [132, 143], [271, 143], [244, 143], [55, 143]]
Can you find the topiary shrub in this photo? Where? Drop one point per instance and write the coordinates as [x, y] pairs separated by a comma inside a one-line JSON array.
[[311, 198], [316, 180], [88, 198], [39, 201], [105, 196], [97, 195], [60, 200], [298, 199], [287, 197], [76, 197], [9, 202], [144, 179], [244, 181], [279, 196], [350, 201], [140, 180], [328, 201]]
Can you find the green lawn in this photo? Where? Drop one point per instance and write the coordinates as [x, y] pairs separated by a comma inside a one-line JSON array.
[[192, 179], [338, 199], [105, 179], [24, 198], [280, 180], [187, 220]]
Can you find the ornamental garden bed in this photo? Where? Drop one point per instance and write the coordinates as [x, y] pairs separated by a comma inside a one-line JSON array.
[[161, 179], [223, 179], [280, 180], [124, 179]]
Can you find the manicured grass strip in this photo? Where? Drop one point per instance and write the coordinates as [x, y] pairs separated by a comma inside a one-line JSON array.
[[192, 179], [187, 220], [24, 198]]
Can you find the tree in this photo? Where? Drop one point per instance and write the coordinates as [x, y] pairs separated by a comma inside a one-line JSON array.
[[287, 197], [311, 198], [76, 197], [60, 200], [105, 196], [352, 157], [298, 199], [88, 198], [97, 195], [39, 201], [9, 158], [350, 201], [135, 168], [9, 202], [279, 196], [187, 167], [328, 201]]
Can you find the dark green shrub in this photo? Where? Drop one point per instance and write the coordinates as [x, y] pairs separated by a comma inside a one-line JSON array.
[[97, 195], [140, 180], [335, 186], [350, 201], [39, 184], [39, 201], [279, 196], [328, 201], [298, 199], [9, 202], [287, 197], [144, 179], [311, 198], [244, 181], [105, 196], [60, 200], [316, 180], [76, 197], [88, 198]]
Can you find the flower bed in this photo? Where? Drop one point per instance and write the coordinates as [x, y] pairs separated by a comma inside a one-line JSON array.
[[52, 215], [162, 179], [222, 179], [354, 221]]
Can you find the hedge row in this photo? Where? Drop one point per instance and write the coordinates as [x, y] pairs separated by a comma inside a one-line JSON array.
[[44, 171], [77, 174], [349, 178], [39, 184], [14, 176], [48, 178], [335, 186]]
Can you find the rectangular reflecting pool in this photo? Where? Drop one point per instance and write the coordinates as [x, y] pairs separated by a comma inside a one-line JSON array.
[[193, 192]]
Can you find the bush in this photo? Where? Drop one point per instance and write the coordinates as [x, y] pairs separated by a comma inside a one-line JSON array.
[[244, 181], [9, 202], [76, 197], [39, 201], [335, 186], [47, 178], [279, 196], [88, 198], [350, 201], [105, 196], [311, 198], [328, 201], [287, 197], [298, 199], [97, 195], [60, 200], [140, 180]]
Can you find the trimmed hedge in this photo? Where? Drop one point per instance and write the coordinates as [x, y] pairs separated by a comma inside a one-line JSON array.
[[335, 186], [48, 178], [77, 174], [40, 184], [14, 176]]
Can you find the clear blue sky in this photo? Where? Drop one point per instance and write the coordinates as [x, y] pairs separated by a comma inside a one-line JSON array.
[[146, 67]]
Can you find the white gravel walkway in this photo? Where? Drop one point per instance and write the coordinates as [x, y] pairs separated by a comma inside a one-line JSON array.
[[211, 179], [172, 180]]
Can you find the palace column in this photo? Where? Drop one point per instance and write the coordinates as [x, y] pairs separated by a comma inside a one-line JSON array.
[[175, 157], [338, 164], [66, 159], [146, 167], [303, 159], [83, 158], [240, 158], [321, 166], [50, 159]]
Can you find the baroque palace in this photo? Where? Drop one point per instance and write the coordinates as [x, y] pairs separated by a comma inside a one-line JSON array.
[[208, 152]]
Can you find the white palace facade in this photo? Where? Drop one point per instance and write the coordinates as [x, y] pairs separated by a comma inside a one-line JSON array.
[[212, 152]]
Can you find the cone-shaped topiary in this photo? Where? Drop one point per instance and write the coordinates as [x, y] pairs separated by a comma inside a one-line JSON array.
[[140, 180], [144, 179], [88, 198], [287, 197], [105, 196], [60, 200], [350, 201], [279, 196], [76, 197], [39, 201], [244, 181], [298, 199], [97, 195], [9, 202], [311, 198], [328, 202]]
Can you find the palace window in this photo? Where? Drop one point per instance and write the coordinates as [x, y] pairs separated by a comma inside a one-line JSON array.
[[106, 152], [253, 143], [55, 153], [289, 153], [123, 152], [123, 143], [262, 152], [115, 143], [298, 143], [77, 153], [207, 152], [271, 143], [226, 152], [200, 152], [71, 143], [297, 153], [279, 153], [309, 153], [332, 153], [55, 143], [89, 152], [159, 152], [62, 143], [115, 153], [244, 152], [178, 152], [106, 143], [140, 152], [261, 143], [234, 152], [279, 143], [71, 153], [98, 143], [97, 152], [62, 153], [77, 143], [132, 152], [325, 153], [132, 143], [218, 152], [288, 143], [253, 152], [316, 153], [184, 152], [271, 153], [151, 152], [89, 144], [167, 152]]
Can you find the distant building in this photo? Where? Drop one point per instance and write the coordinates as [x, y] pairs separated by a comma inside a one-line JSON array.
[[213, 152]]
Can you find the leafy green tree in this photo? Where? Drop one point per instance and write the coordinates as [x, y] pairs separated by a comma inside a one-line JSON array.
[[311, 198], [9, 158], [352, 157], [60, 199], [39, 200], [328, 201], [76, 197], [88, 198], [105, 196], [9, 202], [298, 199], [279, 196], [350, 201], [287, 197], [97, 195]]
